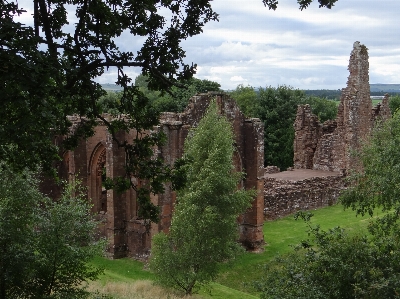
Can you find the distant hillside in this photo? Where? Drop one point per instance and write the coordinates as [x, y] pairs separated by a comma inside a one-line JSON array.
[[385, 88], [375, 89], [111, 87], [333, 94]]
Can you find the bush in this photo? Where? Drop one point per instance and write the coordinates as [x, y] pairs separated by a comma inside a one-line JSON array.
[[338, 266], [45, 245]]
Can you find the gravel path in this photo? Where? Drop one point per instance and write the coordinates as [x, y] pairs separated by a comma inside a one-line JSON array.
[[300, 174]]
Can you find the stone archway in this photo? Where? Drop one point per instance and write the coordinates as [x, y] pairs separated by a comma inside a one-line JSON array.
[[97, 174]]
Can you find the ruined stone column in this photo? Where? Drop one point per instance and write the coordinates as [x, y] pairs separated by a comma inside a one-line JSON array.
[[353, 122], [251, 222], [356, 105], [115, 201]]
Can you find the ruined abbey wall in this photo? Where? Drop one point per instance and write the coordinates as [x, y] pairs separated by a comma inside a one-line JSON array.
[[329, 146], [286, 193], [323, 153], [126, 232]]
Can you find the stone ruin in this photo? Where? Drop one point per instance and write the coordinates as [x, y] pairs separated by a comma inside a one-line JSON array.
[[301, 189], [126, 232], [329, 146], [322, 156], [323, 153]]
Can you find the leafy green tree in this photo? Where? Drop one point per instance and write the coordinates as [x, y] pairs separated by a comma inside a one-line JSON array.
[[65, 243], [109, 102], [247, 99], [204, 227], [323, 108], [45, 245], [177, 98], [334, 264], [378, 184], [18, 200], [394, 103], [277, 109]]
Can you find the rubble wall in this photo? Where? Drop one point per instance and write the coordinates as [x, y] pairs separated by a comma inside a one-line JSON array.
[[284, 197]]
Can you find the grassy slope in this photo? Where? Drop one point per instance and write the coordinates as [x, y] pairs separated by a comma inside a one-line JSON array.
[[128, 271], [279, 236], [236, 277]]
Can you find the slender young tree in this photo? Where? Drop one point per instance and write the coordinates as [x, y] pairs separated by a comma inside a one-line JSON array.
[[204, 227]]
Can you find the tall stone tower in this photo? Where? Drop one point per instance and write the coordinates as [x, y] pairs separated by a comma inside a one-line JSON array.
[[354, 121], [330, 146]]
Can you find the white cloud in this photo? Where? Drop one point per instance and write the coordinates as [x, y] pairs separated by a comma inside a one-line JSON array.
[[237, 79], [304, 49]]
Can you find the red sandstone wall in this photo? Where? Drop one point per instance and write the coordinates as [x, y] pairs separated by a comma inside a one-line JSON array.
[[127, 235], [330, 146], [308, 131], [285, 197]]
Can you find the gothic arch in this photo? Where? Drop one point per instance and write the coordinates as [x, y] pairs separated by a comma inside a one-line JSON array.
[[97, 171]]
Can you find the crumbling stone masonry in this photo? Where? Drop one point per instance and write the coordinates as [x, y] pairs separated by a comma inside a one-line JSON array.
[[301, 189], [125, 231], [323, 152], [329, 146]]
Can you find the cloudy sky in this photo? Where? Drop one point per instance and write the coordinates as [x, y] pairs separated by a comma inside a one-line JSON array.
[[307, 49]]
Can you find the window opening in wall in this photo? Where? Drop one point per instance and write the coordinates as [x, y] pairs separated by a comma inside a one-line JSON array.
[[101, 176]]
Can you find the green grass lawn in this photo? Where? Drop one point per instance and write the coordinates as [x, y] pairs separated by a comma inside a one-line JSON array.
[[374, 102], [236, 277]]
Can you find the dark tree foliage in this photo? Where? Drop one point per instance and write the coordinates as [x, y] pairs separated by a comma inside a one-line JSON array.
[[109, 102], [247, 99], [177, 98], [330, 94], [323, 108], [18, 197], [48, 72], [273, 4], [45, 245], [277, 108]]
